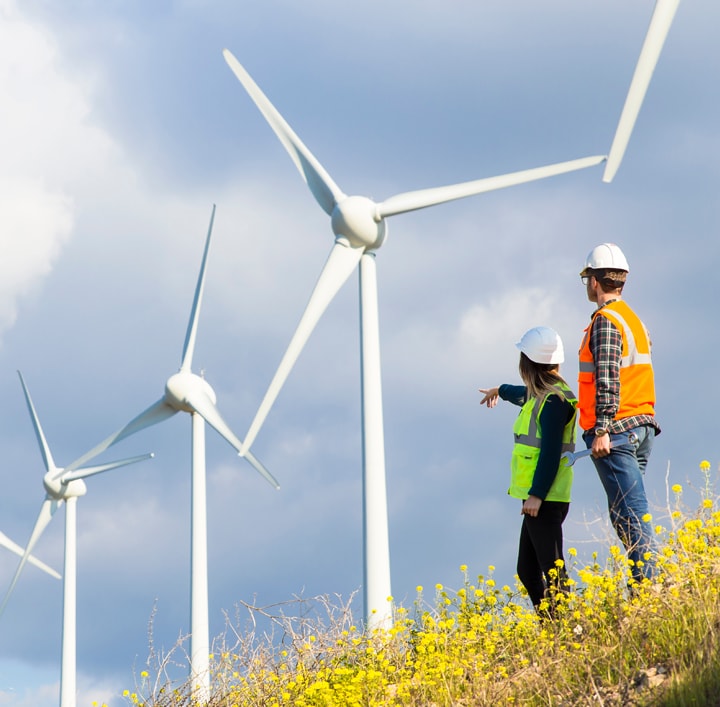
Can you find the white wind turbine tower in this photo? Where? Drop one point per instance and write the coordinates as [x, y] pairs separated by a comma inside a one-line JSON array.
[[660, 23], [188, 392], [62, 486], [360, 229]]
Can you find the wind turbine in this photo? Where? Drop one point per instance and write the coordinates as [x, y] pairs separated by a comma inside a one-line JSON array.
[[188, 392], [660, 23], [62, 486], [20, 551], [360, 229]]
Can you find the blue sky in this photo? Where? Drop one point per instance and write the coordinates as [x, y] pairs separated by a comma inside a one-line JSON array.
[[121, 125]]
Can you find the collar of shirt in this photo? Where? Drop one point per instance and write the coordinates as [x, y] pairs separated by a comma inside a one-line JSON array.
[[604, 304]]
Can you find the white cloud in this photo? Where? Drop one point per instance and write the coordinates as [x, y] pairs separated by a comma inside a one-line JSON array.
[[38, 688], [22, 685], [47, 144], [34, 224]]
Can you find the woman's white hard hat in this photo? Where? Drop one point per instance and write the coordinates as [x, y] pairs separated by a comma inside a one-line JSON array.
[[606, 256], [542, 345]]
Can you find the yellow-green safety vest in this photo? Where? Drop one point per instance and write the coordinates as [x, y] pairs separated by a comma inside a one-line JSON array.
[[526, 452]]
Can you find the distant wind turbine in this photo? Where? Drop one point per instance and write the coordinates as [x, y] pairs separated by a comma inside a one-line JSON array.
[[660, 23], [62, 485], [360, 229], [188, 392]]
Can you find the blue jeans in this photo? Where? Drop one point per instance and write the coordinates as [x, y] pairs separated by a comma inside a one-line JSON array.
[[621, 474]]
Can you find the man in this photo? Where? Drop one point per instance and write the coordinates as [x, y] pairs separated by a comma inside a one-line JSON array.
[[616, 397]]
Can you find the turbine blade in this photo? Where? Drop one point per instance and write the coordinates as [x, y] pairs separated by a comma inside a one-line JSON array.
[[14, 547], [156, 413], [42, 442], [189, 347], [413, 200], [660, 23], [323, 188], [84, 472], [204, 406], [47, 511], [343, 259], [259, 466]]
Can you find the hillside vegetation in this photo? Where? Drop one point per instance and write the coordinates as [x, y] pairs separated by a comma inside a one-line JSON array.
[[610, 641]]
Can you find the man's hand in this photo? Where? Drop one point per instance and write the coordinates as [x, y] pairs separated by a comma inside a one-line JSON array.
[[601, 446], [491, 398], [531, 506]]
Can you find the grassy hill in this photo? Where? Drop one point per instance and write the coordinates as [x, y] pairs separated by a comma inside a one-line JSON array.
[[611, 641]]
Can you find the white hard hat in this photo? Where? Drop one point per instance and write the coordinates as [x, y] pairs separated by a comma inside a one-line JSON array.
[[542, 345], [606, 256]]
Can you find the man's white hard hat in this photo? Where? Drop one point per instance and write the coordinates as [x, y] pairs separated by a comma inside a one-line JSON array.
[[606, 256], [542, 345]]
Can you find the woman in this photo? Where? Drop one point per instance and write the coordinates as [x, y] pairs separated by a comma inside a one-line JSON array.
[[540, 477]]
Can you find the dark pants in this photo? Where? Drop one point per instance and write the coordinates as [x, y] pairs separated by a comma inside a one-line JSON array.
[[541, 544]]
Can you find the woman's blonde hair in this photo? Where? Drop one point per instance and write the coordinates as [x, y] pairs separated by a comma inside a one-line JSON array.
[[540, 378]]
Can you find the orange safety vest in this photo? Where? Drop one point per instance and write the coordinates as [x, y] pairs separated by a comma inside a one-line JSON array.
[[637, 382]]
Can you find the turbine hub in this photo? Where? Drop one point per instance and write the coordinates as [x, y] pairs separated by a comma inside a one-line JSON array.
[[355, 218], [183, 387], [62, 491]]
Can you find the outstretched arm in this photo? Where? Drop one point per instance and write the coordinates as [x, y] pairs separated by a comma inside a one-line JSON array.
[[515, 394]]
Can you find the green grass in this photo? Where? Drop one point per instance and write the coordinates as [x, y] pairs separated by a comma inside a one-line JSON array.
[[658, 644]]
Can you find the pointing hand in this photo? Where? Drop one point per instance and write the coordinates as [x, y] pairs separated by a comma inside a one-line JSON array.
[[490, 398]]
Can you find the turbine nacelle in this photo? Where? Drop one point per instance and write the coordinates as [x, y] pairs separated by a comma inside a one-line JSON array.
[[63, 490], [356, 218], [184, 387]]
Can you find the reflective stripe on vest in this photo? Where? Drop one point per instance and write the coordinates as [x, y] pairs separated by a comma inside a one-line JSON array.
[[531, 438], [526, 451], [633, 356], [636, 375]]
